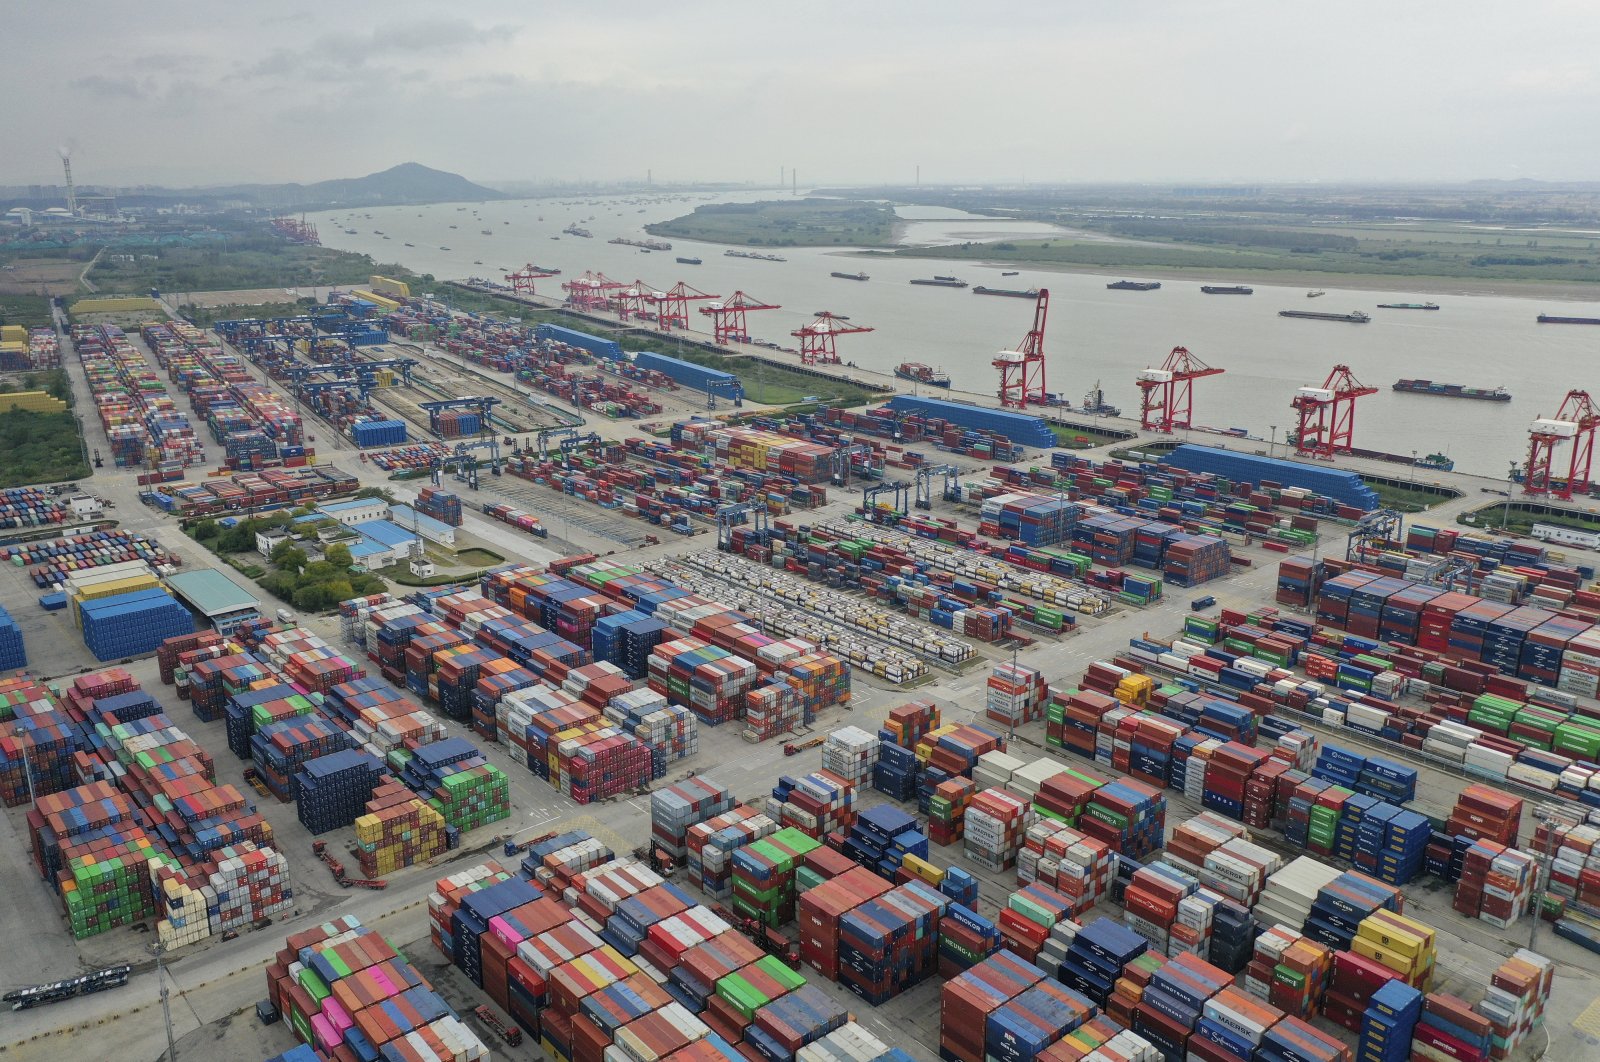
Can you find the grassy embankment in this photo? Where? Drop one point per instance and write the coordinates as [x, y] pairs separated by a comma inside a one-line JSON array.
[[1454, 250], [786, 223], [767, 384], [1405, 498], [245, 260], [40, 447], [29, 311], [1523, 515]]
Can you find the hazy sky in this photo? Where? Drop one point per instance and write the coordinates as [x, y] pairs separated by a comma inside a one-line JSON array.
[[1251, 90]]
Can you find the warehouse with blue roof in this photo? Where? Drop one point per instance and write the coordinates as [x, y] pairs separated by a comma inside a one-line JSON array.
[[1018, 427]]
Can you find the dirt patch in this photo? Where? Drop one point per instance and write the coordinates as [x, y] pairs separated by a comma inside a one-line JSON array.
[[39, 276]]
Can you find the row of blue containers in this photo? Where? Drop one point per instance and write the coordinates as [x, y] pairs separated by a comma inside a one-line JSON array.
[[1018, 427], [12, 652], [605, 348], [881, 836], [689, 374], [1343, 486], [1372, 775], [626, 640], [133, 624], [368, 433]]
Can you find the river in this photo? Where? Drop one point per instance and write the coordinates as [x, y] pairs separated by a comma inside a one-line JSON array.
[[1094, 334]]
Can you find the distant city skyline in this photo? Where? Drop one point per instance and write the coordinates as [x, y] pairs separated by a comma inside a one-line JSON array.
[[183, 93]]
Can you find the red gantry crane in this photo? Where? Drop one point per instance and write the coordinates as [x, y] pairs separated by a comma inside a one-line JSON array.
[[592, 291], [1575, 420], [633, 300], [1022, 370], [727, 316], [672, 305], [1166, 395], [818, 345], [1328, 414], [522, 280]]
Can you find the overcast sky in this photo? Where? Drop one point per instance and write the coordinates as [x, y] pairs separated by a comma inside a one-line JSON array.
[[1072, 90]]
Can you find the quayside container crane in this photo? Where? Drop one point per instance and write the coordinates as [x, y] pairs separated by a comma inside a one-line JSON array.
[[672, 305], [819, 338], [1327, 414], [522, 280], [632, 300], [1576, 421], [591, 291], [1022, 369], [728, 316], [1166, 395]]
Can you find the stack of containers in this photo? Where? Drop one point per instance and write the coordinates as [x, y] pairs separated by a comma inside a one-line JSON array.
[[995, 825], [1128, 815], [132, 624], [851, 753], [1514, 1006], [677, 808], [763, 876], [711, 682], [967, 1001], [441, 505], [713, 842], [889, 944], [12, 653], [947, 810], [459, 783], [771, 710], [398, 830], [820, 909], [1016, 695], [881, 838]]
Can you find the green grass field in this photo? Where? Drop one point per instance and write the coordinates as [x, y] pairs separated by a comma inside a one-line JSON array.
[[245, 260], [29, 311], [786, 223]]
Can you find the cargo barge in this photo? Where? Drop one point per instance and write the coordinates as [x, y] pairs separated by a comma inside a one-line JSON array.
[[940, 282], [1031, 293], [1134, 285], [688, 261], [1444, 390], [1545, 318], [648, 245], [917, 372], [1408, 306], [1354, 316], [573, 230], [850, 276], [1227, 289], [754, 255]]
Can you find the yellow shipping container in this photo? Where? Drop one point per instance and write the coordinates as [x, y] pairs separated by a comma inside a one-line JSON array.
[[30, 401], [13, 334], [1403, 965], [127, 304], [388, 305], [1404, 935], [111, 588], [390, 286], [923, 869]]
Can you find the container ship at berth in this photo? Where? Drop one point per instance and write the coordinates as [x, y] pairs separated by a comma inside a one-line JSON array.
[[1227, 289], [1134, 285], [1031, 293], [1444, 390], [1354, 316], [850, 276], [923, 374], [941, 282], [1545, 318], [1408, 306]]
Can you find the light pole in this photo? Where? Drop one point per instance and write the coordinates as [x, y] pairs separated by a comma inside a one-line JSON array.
[[1511, 481], [166, 1014], [1272, 447], [1552, 817], [1413, 470]]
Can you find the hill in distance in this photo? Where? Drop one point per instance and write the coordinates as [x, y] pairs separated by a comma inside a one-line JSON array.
[[409, 182]]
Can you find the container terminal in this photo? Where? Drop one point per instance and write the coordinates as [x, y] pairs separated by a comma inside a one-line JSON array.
[[876, 730]]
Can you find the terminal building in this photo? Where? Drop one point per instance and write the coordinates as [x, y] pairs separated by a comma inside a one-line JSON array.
[[215, 598]]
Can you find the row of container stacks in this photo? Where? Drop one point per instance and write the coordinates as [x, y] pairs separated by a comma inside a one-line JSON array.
[[587, 952], [455, 423], [760, 450], [31, 507], [13, 653], [899, 426], [517, 518], [687, 373], [936, 413], [415, 458], [654, 495], [246, 491], [723, 481], [347, 994], [26, 349], [441, 505], [1343, 486], [142, 423], [1463, 726], [55, 560], [128, 823]]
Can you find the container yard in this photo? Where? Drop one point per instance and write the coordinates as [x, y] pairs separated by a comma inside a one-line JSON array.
[[992, 789]]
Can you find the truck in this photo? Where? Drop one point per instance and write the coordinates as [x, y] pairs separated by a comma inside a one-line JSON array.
[[1201, 603]]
